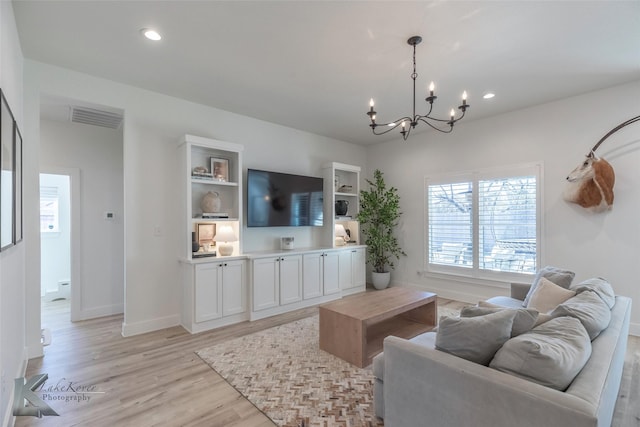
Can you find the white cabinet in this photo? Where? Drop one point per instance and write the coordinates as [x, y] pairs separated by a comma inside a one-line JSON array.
[[342, 202], [215, 294], [266, 283], [208, 292], [276, 281], [352, 270], [320, 274], [234, 287], [290, 279]]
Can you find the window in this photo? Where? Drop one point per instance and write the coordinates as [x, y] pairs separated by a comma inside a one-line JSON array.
[[484, 224], [49, 210]]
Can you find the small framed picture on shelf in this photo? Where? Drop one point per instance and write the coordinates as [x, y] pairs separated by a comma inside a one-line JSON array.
[[220, 169], [205, 233]]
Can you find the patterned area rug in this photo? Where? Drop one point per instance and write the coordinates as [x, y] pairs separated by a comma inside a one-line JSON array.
[[283, 372]]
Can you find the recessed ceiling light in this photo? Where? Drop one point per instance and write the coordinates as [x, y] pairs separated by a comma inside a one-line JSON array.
[[151, 34], [488, 95]]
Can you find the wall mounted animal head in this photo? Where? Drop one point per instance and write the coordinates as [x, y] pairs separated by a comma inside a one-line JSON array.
[[590, 185]]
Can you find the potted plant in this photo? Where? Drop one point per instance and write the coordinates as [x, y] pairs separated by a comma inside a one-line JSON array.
[[378, 216]]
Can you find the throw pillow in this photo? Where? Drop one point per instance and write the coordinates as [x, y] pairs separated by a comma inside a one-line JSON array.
[[560, 277], [589, 309], [598, 285], [475, 338], [548, 296], [523, 321], [551, 354]]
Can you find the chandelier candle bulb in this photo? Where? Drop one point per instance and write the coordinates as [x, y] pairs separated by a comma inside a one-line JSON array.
[[464, 98], [432, 87]]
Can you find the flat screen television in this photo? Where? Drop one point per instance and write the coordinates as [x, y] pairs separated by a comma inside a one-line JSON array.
[[277, 199]]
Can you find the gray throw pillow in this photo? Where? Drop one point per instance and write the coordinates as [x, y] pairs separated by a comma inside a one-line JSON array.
[[551, 354], [559, 276], [589, 309], [523, 321], [475, 338], [598, 285]]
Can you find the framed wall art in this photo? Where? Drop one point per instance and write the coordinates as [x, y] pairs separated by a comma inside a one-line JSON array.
[[220, 169], [7, 174], [205, 234], [18, 232]]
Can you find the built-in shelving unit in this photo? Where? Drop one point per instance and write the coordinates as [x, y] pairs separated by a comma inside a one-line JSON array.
[[342, 186], [200, 154]]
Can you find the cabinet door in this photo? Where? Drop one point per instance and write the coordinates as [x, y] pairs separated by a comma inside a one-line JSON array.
[[233, 288], [358, 265], [312, 275], [290, 279], [208, 292], [266, 283], [345, 269], [331, 273]]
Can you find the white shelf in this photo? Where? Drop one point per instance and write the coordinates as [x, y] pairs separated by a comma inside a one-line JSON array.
[[336, 175], [213, 182]]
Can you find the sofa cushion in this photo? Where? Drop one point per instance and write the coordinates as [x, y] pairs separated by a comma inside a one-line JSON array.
[[559, 276], [598, 285], [589, 309], [548, 296], [523, 321], [551, 354], [428, 339], [475, 338]]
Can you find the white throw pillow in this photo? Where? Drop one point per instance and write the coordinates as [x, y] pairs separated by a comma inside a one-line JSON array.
[[559, 276], [548, 296]]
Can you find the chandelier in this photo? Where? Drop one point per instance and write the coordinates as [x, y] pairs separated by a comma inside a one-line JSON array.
[[410, 122]]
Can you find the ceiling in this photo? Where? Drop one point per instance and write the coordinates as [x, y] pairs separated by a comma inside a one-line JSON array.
[[313, 65]]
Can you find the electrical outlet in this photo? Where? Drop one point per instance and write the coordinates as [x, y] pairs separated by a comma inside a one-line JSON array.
[[157, 231]]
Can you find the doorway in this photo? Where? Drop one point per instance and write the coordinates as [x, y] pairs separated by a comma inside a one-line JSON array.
[[57, 233]]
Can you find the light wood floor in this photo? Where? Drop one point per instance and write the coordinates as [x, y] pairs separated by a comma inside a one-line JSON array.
[[157, 379]]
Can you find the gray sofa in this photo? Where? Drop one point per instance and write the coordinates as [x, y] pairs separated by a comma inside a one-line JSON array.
[[417, 385]]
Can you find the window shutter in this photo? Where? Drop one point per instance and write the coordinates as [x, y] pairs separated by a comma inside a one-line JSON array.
[[507, 224], [450, 228]]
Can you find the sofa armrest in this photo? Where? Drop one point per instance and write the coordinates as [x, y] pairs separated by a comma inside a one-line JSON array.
[[520, 290], [424, 386]]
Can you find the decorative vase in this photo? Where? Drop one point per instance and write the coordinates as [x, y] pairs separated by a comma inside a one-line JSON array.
[[380, 280], [342, 206], [211, 202]]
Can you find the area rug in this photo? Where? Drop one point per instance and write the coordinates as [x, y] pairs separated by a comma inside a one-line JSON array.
[[283, 372]]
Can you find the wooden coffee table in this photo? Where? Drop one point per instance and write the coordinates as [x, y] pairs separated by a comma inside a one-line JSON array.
[[354, 327]]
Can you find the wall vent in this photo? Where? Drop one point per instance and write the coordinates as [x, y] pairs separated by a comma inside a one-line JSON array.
[[90, 116]]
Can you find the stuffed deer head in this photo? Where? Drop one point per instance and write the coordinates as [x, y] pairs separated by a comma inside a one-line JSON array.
[[591, 184]]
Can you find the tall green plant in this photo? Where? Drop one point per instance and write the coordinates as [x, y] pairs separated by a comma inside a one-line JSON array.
[[378, 216]]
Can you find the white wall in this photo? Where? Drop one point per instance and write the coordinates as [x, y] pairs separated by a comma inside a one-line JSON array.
[[55, 246], [97, 153], [153, 126], [559, 134], [12, 261]]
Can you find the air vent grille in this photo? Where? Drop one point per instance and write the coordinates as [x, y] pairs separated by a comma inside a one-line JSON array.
[[90, 116]]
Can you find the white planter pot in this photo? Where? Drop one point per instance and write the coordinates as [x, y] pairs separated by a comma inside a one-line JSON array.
[[380, 280]]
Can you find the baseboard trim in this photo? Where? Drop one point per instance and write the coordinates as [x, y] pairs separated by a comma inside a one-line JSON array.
[[105, 310], [634, 329], [131, 329]]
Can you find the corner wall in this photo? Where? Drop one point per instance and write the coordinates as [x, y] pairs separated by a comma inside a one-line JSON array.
[[13, 353], [559, 134]]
